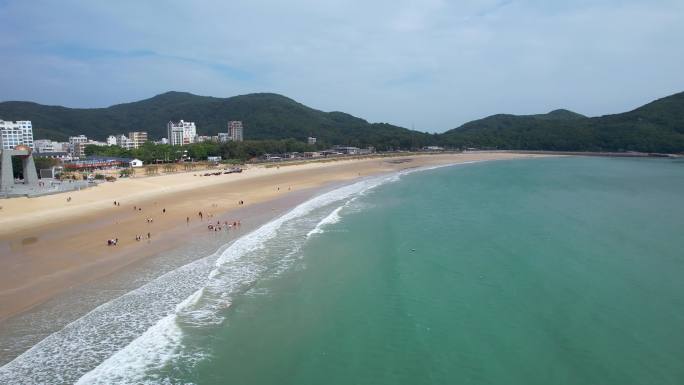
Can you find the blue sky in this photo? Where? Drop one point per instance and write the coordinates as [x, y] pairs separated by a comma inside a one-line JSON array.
[[429, 64]]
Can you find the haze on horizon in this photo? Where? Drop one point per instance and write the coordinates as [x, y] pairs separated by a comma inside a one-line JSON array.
[[430, 64]]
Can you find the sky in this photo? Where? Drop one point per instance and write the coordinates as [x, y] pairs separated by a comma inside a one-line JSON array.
[[430, 65]]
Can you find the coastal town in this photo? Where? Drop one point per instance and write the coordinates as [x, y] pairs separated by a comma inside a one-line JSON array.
[[74, 164]]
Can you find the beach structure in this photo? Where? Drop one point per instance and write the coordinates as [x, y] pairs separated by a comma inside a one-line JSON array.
[[135, 163], [181, 133], [59, 155], [433, 148], [7, 170], [14, 134], [97, 162]]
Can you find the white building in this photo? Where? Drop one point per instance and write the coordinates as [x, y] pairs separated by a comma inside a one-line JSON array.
[[77, 139], [223, 137], [138, 138], [136, 163], [124, 142], [235, 131], [47, 145], [59, 155], [311, 140], [207, 138], [111, 140], [181, 133], [13, 134], [77, 146], [96, 143]]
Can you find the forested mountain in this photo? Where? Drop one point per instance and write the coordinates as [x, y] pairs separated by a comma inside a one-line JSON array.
[[265, 116], [655, 127]]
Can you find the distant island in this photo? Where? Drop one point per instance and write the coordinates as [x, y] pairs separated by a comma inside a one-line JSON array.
[[654, 127]]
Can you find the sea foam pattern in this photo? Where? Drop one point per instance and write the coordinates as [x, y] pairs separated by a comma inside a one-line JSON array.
[[128, 339], [266, 251]]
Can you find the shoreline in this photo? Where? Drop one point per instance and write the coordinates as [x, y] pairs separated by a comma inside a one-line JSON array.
[[71, 253], [21, 331]]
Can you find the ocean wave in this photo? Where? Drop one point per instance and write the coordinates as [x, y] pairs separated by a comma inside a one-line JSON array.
[[331, 219], [235, 271], [127, 339]]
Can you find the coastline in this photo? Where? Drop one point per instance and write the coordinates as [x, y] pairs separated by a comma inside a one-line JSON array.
[[52, 263]]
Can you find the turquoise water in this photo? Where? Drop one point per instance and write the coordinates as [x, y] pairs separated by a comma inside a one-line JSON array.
[[537, 271], [552, 271]]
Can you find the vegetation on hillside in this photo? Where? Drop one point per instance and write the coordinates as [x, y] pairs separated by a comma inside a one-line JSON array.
[[241, 151], [264, 116], [655, 127]]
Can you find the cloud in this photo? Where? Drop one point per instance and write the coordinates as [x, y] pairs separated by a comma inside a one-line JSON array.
[[432, 64]]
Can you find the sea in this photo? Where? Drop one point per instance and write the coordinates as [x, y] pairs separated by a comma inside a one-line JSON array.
[[562, 270]]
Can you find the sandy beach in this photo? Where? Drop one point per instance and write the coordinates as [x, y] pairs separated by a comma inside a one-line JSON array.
[[48, 245]]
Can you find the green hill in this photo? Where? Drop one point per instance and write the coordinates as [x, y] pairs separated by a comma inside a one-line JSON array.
[[655, 127], [265, 116]]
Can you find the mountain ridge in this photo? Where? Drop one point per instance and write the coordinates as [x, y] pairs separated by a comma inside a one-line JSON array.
[[657, 126], [264, 115]]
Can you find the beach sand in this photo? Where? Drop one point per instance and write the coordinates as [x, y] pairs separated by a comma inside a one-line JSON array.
[[49, 245]]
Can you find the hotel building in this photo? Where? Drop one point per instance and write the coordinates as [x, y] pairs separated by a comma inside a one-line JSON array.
[[181, 133], [77, 146], [16, 133], [235, 131], [138, 138]]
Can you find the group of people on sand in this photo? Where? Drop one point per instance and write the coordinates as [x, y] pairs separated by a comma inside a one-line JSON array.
[[215, 227], [140, 237], [228, 226]]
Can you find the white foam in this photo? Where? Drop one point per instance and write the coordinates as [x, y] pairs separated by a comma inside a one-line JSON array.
[[332, 218], [231, 273], [152, 350], [90, 349]]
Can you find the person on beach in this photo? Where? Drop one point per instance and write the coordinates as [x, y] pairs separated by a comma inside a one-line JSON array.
[[200, 215], [149, 236], [187, 219], [164, 211]]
